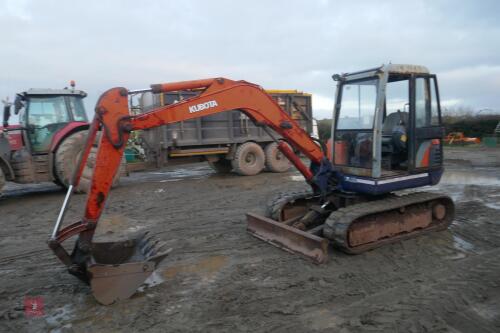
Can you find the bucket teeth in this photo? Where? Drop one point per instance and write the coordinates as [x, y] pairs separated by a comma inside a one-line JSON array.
[[151, 247], [144, 240], [147, 246], [155, 250], [160, 247]]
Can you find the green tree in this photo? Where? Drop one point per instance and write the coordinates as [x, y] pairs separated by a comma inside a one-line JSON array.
[[324, 129]]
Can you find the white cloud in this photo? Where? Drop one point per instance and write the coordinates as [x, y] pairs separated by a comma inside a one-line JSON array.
[[16, 8], [448, 103], [280, 44], [322, 106]]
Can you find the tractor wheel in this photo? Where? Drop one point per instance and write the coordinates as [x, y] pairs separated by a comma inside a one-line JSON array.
[[67, 157], [2, 180], [275, 160], [22, 165], [249, 159], [221, 166]]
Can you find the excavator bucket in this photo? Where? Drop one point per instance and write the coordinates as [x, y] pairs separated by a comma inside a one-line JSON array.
[[291, 239], [116, 269]]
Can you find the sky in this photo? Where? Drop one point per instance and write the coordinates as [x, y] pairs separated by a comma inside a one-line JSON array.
[[277, 44]]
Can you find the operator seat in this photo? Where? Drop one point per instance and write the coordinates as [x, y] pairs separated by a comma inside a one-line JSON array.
[[394, 119], [394, 139]]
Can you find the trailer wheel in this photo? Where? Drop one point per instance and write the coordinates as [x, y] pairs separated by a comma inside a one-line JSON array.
[[67, 156], [221, 166], [249, 159], [275, 160]]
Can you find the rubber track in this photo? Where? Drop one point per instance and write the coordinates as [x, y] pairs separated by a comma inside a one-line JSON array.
[[276, 204], [337, 225]]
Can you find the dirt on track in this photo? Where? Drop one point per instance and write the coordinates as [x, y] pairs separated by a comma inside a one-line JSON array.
[[218, 278]]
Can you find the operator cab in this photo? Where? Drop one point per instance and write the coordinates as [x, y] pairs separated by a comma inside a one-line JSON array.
[[44, 112], [387, 129]]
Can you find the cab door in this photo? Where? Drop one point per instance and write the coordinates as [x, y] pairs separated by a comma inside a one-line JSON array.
[[45, 116], [426, 133]]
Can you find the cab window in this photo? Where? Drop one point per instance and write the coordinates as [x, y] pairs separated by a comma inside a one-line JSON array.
[[357, 110], [45, 116], [77, 109], [426, 104], [45, 111]]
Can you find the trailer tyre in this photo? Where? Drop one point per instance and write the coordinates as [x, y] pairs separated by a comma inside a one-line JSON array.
[[221, 166], [67, 157], [275, 160], [249, 159]]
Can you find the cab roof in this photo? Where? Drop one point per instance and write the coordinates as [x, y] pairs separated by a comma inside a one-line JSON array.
[[55, 92], [407, 69], [391, 68]]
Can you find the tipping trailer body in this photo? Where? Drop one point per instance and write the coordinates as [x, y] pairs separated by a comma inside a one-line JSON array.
[[216, 136]]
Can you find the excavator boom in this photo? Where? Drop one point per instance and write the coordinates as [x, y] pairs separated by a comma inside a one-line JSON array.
[[113, 118]]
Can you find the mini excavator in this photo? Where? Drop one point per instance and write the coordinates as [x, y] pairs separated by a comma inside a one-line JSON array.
[[386, 137]]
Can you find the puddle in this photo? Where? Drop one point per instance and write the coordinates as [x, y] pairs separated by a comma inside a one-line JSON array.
[[460, 248], [488, 310], [179, 174], [12, 190], [153, 280], [455, 177], [492, 205], [469, 178], [60, 316], [206, 267], [297, 178], [462, 245]]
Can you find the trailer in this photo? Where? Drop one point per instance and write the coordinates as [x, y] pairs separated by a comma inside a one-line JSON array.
[[229, 142]]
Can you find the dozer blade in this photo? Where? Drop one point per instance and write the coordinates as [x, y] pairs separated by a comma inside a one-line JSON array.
[[288, 238], [117, 269]]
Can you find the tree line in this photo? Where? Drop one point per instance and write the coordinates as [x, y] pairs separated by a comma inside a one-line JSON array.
[[460, 119]]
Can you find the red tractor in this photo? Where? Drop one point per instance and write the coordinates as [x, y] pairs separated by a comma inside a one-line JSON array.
[[47, 142]]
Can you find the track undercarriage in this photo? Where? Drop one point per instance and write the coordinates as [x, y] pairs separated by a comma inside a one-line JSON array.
[[302, 222]]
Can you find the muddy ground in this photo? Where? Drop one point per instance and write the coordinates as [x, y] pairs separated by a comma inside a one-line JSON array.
[[220, 279]]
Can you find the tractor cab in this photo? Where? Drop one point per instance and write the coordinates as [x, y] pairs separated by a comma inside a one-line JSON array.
[[45, 112], [387, 129], [30, 151]]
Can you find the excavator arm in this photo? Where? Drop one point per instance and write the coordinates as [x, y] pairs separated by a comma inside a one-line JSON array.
[[113, 118], [219, 95]]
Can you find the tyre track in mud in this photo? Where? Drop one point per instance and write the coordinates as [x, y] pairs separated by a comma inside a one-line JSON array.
[[220, 279], [464, 298]]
